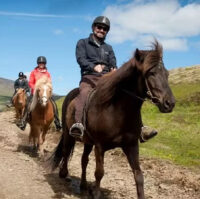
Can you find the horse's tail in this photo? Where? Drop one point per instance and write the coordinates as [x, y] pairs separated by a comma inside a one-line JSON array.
[[57, 156], [71, 95], [66, 145]]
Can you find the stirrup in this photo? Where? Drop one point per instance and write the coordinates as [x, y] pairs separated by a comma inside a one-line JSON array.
[[9, 105], [75, 127], [147, 133], [22, 125]]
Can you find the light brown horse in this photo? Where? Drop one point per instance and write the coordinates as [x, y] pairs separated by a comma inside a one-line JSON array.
[[42, 113], [19, 102], [113, 117]]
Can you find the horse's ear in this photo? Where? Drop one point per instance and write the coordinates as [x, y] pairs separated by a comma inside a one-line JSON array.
[[139, 56]]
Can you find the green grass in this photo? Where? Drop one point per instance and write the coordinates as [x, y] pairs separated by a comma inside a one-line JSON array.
[[3, 101], [59, 103], [179, 132]]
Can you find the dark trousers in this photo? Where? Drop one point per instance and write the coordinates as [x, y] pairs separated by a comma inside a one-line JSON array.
[[87, 83]]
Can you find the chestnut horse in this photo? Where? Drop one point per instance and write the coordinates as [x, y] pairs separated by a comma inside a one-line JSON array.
[[42, 113], [19, 102], [113, 116]]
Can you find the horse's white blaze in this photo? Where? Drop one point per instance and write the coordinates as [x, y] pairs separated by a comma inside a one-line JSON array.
[[44, 97]]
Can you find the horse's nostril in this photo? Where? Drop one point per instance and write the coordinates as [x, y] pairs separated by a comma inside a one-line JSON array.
[[167, 104]]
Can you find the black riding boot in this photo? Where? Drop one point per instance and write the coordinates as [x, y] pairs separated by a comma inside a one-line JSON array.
[[56, 117], [24, 120]]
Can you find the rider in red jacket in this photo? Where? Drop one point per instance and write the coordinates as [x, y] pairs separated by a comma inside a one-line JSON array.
[[36, 74]]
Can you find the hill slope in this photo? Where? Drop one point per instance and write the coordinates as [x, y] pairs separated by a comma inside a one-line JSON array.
[[189, 74], [6, 87]]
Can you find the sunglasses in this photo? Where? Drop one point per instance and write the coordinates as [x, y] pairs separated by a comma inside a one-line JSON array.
[[102, 28]]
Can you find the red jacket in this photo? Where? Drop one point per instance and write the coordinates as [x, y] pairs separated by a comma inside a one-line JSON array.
[[36, 74]]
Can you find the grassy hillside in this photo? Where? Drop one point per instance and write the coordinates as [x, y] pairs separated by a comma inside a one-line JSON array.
[[6, 87], [6, 91], [179, 132]]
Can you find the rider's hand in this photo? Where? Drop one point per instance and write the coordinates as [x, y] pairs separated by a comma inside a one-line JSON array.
[[103, 66], [113, 69], [98, 68]]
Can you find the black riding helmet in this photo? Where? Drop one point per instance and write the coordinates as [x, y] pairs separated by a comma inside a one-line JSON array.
[[21, 74], [101, 20], [41, 59]]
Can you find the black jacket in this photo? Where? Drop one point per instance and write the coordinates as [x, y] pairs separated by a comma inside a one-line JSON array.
[[21, 83], [89, 54]]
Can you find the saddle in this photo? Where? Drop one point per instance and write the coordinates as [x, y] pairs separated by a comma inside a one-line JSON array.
[[85, 108], [82, 127]]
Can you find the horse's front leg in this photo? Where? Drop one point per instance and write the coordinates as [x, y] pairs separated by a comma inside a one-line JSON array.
[[99, 172], [40, 143], [132, 153], [84, 163]]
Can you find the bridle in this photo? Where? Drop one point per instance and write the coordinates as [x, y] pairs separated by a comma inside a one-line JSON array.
[[149, 95]]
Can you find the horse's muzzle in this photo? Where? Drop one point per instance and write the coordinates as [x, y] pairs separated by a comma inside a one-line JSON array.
[[167, 105], [43, 101]]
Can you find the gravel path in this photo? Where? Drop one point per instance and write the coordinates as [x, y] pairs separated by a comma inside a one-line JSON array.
[[23, 176]]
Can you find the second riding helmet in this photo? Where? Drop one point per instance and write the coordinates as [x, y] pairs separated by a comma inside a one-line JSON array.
[[41, 59], [101, 20], [21, 74]]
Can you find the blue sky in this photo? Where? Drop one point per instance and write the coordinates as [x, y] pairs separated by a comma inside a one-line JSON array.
[[30, 28]]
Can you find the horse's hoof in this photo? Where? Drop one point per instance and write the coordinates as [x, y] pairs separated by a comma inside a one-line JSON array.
[[63, 173], [95, 194]]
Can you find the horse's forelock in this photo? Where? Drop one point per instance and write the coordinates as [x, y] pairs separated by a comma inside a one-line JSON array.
[[153, 57], [42, 81]]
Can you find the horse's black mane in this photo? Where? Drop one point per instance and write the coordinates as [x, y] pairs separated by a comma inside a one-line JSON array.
[[108, 84]]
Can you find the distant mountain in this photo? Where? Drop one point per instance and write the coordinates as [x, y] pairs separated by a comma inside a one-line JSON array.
[[6, 87]]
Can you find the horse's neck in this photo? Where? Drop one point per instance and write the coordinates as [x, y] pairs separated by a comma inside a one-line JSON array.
[[133, 85]]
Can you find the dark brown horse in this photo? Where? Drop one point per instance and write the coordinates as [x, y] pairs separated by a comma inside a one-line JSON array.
[[113, 117]]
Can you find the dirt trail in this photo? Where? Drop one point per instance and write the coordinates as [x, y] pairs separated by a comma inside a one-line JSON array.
[[22, 176]]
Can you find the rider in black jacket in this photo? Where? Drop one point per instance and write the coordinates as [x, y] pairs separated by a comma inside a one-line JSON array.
[[90, 53], [21, 82]]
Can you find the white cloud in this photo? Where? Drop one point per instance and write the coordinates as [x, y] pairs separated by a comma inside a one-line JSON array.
[[165, 20], [21, 14], [58, 32]]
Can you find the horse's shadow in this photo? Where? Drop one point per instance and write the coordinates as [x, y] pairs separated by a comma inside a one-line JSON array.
[[71, 186], [62, 187], [28, 150]]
